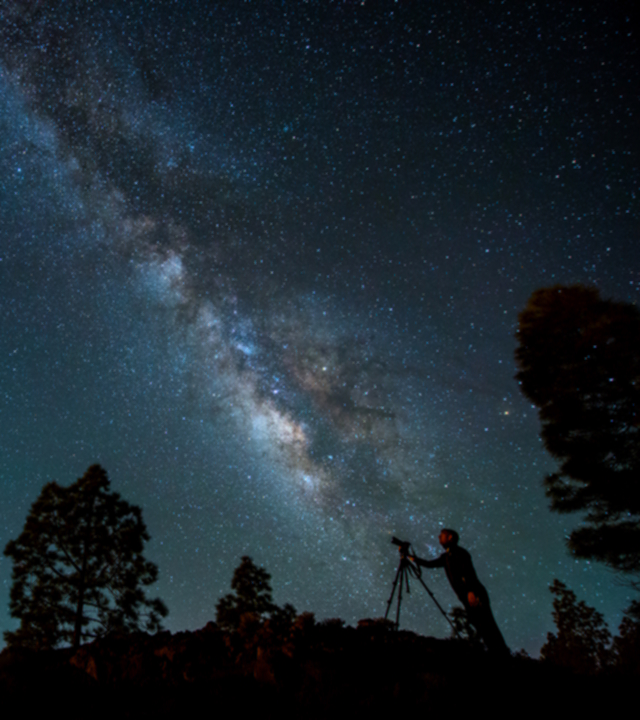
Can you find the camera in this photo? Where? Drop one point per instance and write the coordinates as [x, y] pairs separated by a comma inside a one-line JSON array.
[[404, 545]]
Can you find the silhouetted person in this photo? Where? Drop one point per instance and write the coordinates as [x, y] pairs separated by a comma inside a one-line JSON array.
[[471, 592]]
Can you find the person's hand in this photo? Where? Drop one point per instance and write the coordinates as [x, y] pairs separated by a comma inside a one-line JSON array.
[[474, 600]]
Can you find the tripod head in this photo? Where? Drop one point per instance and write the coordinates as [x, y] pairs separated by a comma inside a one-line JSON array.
[[403, 545]]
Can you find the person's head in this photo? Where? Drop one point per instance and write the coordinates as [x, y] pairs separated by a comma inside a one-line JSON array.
[[448, 538]]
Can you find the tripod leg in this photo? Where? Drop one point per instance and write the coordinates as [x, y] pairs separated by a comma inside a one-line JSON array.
[[402, 577], [433, 597], [393, 589]]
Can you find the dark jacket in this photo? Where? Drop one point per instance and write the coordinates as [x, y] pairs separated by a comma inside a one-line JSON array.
[[456, 562]]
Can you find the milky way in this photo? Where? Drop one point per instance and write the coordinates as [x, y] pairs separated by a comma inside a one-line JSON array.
[[265, 264]]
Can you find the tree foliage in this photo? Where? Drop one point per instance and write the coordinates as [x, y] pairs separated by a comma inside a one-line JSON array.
[[253, 596], [579, 362], [582, 639], [78, 569], [626, 646]]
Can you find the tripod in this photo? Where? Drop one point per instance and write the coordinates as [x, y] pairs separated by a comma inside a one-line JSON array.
[[407, 568]]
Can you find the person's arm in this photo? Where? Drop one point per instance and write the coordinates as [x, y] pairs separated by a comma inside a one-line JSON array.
[[438, 562]]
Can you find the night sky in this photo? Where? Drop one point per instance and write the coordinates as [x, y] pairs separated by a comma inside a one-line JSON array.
[[263, 261]]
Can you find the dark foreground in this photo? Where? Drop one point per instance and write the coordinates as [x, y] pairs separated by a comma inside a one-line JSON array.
[[311, 668]]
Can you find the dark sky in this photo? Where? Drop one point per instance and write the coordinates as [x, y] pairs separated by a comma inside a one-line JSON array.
[[263, 261]]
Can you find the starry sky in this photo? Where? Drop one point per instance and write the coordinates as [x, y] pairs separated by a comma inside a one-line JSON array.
[[263, 261]]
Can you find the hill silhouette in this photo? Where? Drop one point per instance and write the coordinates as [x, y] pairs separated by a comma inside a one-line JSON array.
[[305, 667]]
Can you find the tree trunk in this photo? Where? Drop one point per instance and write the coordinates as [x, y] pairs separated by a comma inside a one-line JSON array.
[[77, 630]]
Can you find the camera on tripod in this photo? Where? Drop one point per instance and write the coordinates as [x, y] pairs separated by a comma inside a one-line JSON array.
[[409, 566]]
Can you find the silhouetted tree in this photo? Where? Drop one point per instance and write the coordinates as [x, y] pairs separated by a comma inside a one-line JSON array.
[[579, 360], [582, 639], [626, 646], [462, 627], [252, 595], [283, 617], [78, 568]]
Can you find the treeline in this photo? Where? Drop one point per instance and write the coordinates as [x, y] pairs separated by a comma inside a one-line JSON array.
[[79, 575], [582, 641], [276, 664]]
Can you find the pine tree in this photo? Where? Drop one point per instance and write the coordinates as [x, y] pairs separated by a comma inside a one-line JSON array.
[[582, 639], [579, 360], [78, 569], [252, 595], [626, 646]]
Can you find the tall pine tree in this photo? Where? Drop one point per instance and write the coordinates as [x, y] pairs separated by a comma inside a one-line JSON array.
[[78, 568]]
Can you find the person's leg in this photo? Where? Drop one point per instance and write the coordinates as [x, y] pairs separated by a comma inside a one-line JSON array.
[[482, 618]]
